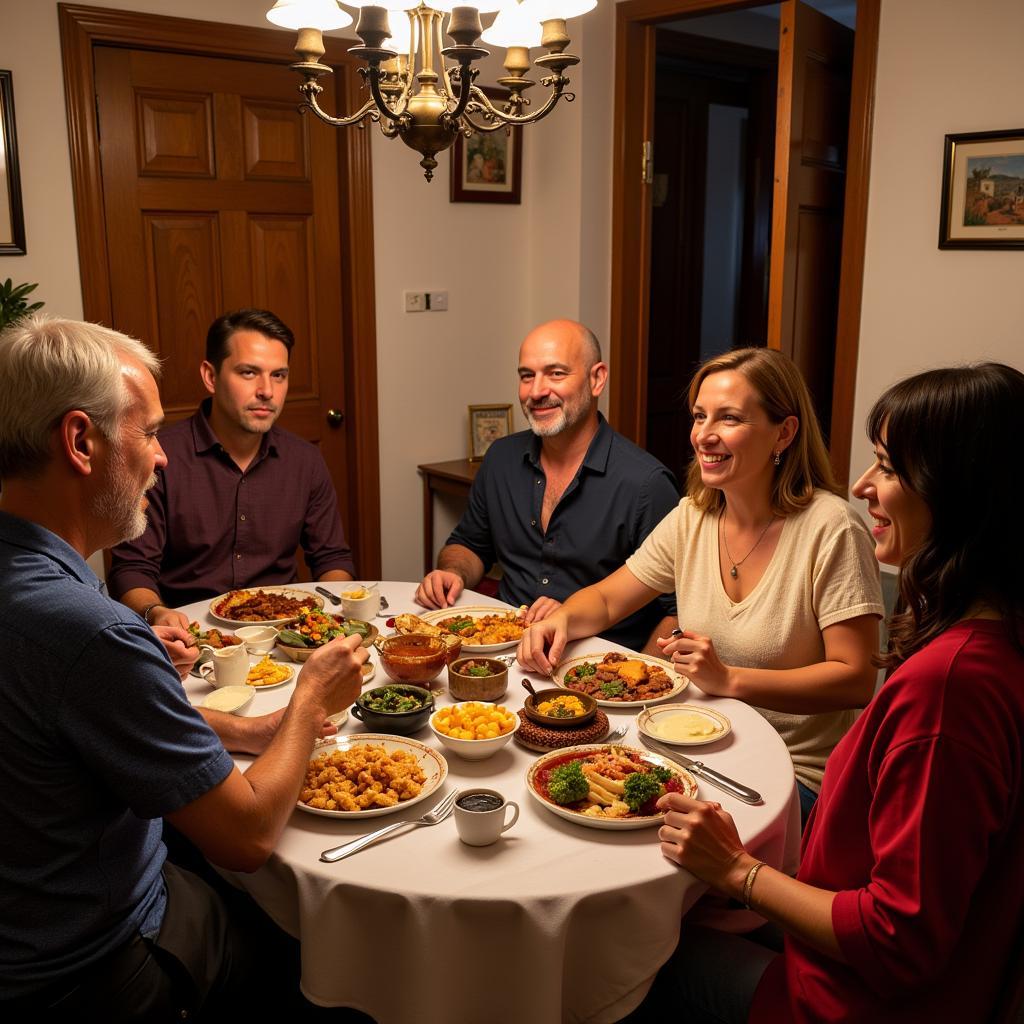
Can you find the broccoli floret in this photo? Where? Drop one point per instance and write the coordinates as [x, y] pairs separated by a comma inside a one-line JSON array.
[[613, 688], [660, 773], [639, 788], [567, 783]]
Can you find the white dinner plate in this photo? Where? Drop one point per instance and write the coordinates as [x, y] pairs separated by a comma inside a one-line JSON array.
[[296, 592], [432, 764], [272, 686], [474, 612], [647, 723], [679, 683], [615, 824]]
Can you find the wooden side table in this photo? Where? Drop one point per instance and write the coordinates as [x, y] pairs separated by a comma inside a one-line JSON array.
[[442, 478]]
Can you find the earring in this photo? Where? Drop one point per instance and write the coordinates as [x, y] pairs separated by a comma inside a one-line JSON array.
[[777, 458]]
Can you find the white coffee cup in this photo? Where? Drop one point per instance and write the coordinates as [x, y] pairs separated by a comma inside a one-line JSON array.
[[257, 639], [480, 816], [228, 666], [364, 607]]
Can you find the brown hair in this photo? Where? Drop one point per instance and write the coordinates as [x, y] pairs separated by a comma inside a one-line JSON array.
[[781, 392]]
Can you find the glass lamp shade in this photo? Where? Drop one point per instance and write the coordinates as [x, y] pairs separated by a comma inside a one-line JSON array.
[[401, 5], [483, 6], [517, 24], [400, 32], [545, 10], [296, 14]]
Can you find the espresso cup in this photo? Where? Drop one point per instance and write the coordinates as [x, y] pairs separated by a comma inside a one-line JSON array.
[[228, 667], [480, 816]]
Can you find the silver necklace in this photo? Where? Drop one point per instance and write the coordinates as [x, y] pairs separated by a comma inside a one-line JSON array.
[[734, 571]]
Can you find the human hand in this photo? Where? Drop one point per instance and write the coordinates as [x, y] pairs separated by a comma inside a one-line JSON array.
[[439, 589], [161, 616], [180, 646], [542, 644], [541, 609], [333, 673], [695, 657], [699, 836]]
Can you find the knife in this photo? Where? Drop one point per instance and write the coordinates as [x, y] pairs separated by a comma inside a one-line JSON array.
[[324, 592], [702, 771]]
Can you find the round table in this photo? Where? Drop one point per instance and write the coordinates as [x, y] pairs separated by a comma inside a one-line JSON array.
[[555, 922]]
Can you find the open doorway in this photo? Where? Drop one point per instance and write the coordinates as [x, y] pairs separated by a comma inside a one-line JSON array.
[[692, 271]]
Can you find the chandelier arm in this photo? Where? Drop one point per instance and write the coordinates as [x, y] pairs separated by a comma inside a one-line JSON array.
[[378, 96], [465, 90], [369, 108], [553, 97], [483, 128], [439, 43]]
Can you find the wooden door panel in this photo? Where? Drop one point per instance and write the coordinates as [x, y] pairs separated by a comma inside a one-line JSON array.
[[183, 274], [175, 133], [276, 141]]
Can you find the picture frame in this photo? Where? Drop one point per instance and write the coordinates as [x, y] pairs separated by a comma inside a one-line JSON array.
[[487, 423], [488, 166], [983, 191], [12, 217]]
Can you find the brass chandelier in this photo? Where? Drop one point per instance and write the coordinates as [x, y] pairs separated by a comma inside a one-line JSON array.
[[415, 93]]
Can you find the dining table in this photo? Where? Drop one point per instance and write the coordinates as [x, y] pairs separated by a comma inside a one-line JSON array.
[[555, 922]]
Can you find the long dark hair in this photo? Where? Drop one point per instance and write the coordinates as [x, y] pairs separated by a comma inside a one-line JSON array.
[[953, 437]]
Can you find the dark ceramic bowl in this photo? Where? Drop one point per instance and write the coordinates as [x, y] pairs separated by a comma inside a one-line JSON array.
[[534, 701], [400, 723]]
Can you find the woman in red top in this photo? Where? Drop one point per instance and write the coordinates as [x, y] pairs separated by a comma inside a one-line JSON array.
[[910, 892]]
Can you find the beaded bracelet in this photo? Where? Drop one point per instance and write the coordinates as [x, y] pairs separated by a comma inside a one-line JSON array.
[[748, 884]]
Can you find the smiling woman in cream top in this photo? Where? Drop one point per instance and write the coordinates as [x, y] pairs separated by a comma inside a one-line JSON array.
[[774, 574]]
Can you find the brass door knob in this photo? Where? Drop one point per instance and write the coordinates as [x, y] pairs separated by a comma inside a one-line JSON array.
[[335, 417]]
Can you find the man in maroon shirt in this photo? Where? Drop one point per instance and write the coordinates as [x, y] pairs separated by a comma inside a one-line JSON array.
[[239, 495]]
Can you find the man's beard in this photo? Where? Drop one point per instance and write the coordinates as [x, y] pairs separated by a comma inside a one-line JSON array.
[[569, 414], [121, 503]]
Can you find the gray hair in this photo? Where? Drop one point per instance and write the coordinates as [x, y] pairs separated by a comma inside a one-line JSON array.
[[49, 366]]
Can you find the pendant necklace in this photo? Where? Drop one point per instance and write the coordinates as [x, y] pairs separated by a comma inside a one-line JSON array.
[[734, 570]]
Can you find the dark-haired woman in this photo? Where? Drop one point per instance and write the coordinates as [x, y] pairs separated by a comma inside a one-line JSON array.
[[910, 891], [772, 569]]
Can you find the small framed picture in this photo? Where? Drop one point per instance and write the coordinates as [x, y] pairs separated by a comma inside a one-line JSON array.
[[486, 424], [12, 218], [983, 191], [488, 166]]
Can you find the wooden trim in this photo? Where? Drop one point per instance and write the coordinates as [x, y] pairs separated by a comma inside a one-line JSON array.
[[855, 230], [634, 88], [81, 29]]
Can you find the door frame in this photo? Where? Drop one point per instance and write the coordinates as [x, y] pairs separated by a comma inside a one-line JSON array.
[[635, 26], [83, 28]]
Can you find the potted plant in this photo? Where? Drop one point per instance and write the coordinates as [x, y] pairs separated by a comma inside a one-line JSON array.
[[13, 302]]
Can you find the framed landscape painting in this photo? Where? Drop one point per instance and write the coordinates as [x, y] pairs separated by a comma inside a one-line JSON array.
[[983, 191]]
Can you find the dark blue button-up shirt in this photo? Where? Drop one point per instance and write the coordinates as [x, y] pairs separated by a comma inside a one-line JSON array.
[[619, 494]]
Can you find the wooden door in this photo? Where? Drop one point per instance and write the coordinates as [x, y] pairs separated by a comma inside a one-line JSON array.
[[218, 195], [812, 125]]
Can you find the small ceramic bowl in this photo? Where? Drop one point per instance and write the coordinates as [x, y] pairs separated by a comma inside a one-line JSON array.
[[534, 701], [490, 687], [474, 750], [401, 723], [413, 657], [257, 639], [360, 603], [232, 700], [304, 653]]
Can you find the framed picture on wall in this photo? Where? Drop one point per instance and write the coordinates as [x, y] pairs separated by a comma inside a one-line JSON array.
[[12, 219], [486, 424], [488, 166], [983, 191]]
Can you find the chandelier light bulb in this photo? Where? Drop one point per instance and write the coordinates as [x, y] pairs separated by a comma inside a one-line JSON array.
[[399, 5], [517, 24], [299, 14], [401, 31]]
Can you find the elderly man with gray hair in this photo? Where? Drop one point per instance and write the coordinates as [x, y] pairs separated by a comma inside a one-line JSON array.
[[97, 738]]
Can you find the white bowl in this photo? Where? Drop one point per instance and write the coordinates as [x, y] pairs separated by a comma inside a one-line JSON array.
[[258, 639], [231, 699], [474, 750]]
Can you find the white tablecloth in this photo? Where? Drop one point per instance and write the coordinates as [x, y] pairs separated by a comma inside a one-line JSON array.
[[555, 922]]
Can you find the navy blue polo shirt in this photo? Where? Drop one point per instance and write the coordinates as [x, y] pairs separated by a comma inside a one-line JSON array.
[[619, 494], [97, 742]]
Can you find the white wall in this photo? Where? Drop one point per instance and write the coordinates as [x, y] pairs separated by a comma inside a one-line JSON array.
[[943, 68]]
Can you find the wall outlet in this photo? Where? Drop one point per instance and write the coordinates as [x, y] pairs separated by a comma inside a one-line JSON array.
[[415, 302], [437, 301]]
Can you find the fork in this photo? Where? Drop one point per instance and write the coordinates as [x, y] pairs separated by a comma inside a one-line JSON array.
[[616, 734], [432, 817]]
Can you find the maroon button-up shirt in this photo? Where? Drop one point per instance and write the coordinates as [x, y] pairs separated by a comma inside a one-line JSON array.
[[213, 528]]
